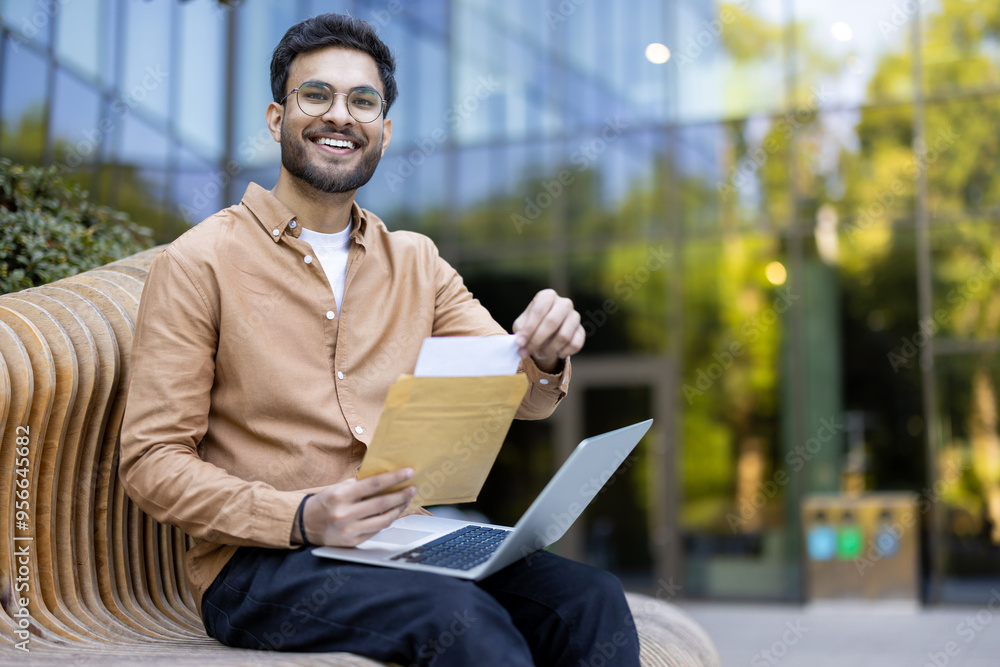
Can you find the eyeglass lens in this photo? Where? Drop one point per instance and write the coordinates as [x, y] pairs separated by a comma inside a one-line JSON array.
[[315, 99]]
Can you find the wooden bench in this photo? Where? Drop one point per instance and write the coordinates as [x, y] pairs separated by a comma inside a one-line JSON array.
[[104, 581]]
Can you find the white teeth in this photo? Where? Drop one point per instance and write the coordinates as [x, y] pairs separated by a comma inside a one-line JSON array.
[[335, 143]]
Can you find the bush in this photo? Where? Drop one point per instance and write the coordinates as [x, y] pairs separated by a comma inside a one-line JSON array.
[[50, 230]]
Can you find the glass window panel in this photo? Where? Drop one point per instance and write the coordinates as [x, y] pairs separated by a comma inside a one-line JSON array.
[[202, 82], [147, 77], [960, 49], [527, 94], [432, 191], [409, 80], [851, 51], [109, 49], [473, 178], [141, 145], [30, 20], [644, 87], [76, 128], [966, 259], [78, 44], [23, 103], [969, 477], [473, 58], [730, 395], [876, 177], [260, 26], [620, 292], [963, 144], [394, 182], [78, 36], [337, 6], [431, 14], [730, 61], [196, 188], [432, 103], [727, 179]]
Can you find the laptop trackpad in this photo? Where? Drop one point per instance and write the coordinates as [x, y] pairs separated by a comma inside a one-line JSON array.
[[399, 536]]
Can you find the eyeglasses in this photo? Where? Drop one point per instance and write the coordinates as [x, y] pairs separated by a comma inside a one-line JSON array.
[[315, 98]]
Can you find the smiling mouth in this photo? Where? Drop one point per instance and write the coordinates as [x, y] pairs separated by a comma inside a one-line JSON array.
[[336, 143]]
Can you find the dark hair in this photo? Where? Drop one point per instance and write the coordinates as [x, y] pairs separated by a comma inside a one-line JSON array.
[[332, 30]]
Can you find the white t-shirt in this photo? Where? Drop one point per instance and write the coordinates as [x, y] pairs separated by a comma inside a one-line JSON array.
[[331, 251]]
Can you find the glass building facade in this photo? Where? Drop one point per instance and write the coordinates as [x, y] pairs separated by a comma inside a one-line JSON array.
[[783, 240]]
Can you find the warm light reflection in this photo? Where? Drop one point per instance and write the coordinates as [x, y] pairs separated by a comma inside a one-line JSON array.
[[776, 274], [842, 32], [657, 53]]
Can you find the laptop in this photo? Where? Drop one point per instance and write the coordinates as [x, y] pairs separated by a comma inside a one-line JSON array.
[[471, 550]]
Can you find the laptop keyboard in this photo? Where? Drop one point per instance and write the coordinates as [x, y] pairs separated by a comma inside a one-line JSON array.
[[462, 549]]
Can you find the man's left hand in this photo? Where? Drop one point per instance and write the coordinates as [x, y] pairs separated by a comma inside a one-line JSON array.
[[549, 330]]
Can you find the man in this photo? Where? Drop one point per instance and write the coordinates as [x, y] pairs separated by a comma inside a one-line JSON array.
[[267, 338]]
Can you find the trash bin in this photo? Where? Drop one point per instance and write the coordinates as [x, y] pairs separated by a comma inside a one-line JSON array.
[[862, 546]]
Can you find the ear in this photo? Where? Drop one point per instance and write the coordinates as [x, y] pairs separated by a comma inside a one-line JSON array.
[[386, 134], [275, 112]]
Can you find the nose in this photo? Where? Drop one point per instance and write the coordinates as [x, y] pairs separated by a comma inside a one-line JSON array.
[[338, 112]]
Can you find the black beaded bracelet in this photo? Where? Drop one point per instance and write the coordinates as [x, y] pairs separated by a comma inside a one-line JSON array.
[[302, 522]]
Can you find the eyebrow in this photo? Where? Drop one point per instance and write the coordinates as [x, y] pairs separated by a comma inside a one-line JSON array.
[[362, 87]]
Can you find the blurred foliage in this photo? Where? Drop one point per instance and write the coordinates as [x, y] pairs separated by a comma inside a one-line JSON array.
[[50, 230]]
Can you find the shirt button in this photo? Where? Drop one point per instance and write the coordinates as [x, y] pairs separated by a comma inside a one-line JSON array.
[[543, 381], [330, 314], [276, 232], [293, 224], [359, 430], [340, 375], [308, 259]]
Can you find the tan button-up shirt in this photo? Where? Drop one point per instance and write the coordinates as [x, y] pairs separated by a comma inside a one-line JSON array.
[[248, 390]]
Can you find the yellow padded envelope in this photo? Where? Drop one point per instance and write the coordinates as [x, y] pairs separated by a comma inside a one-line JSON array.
[[448, 429]]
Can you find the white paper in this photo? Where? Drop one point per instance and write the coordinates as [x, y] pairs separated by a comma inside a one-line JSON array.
[[467, 356]]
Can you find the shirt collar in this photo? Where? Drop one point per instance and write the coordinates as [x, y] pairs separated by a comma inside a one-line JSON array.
[[276, 219]]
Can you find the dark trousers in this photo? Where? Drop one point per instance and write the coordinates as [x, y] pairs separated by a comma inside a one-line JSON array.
[[542, 610]]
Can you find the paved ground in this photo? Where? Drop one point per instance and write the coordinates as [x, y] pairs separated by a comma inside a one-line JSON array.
[[852, 634]]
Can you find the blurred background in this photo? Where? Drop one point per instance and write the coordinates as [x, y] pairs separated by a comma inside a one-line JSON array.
[[777, 217]]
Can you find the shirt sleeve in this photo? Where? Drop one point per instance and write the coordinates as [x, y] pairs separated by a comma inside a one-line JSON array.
[[171, 378], [458, 313]]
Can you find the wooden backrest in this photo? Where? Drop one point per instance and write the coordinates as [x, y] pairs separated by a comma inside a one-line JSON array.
[[100, 569]]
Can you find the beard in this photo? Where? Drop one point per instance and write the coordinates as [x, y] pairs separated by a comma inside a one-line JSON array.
[[327, 178]]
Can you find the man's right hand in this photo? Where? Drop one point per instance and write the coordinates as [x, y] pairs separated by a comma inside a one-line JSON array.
[[348, 513]]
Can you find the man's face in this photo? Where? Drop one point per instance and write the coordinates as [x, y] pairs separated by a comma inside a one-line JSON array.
[[305, 150]]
